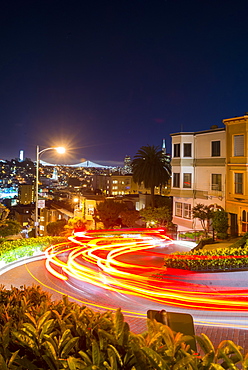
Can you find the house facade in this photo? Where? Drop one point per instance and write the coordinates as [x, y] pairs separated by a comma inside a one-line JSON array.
[[237, 173], [198, 174]]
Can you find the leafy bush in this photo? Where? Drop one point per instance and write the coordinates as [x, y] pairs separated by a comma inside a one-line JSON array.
[[222, 236], [216, 259], [220, 221], [56, 227], [13, 250], [241, 242], [194, 235], [9, 227], [38, 334]]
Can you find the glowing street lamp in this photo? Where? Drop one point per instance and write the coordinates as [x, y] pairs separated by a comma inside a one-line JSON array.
[[59, 150]]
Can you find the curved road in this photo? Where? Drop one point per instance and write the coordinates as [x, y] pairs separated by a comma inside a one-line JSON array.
[[217, 325]]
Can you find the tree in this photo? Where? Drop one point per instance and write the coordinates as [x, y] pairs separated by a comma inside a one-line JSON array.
[[150, 167], [3, 213], [9, 227], [75, 224], [56, 227], [129, 217], [220, 223], [108, 213], [204, 214], [156, 216]]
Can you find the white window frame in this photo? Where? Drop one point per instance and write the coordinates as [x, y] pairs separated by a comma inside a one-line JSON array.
[[178, 209], [184, 180], [184, 146], [178, 178], [238, 145], [187, 211]]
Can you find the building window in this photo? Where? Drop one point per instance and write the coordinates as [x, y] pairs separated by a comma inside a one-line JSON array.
[[187, 210], [90, 210], [176, 150], [187, 150], [244, 222], [187, 180], [178, 211], [238, 183], [238, 145], [215, 148], [216, 181], [176, 180]]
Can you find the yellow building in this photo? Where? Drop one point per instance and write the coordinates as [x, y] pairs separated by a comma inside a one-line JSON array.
[[237, 173]]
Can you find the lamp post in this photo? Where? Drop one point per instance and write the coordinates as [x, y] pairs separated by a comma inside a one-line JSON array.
[[60, 150]]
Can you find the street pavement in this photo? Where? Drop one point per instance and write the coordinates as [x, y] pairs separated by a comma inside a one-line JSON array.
[[101, 299]]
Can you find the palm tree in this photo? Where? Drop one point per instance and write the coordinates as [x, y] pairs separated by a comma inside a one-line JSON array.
[[150, 167]]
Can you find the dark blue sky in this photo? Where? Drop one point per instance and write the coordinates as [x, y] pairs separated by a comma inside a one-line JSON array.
[[106, 77]]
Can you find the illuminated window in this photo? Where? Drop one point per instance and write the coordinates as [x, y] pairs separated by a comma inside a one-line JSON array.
[[238, 145], [187, 210], [115, 182], [178, 211], [176, 180], [216, 181], [176, 150], [90, 210], [187, 150], [215, 148], [187, 180], [238, 183]]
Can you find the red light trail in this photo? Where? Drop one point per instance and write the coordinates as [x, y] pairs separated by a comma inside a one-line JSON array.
[[112, 259]]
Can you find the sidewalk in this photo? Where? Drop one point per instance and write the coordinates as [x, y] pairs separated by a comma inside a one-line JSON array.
[[221, 244]]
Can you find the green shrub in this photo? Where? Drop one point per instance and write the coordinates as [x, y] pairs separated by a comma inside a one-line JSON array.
[[222, 236], [13, 250], [192, 235], [241, 242], [215, 259], [220, 221], [37, 333], [9, 227]]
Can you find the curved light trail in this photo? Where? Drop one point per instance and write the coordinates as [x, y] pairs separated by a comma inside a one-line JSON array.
[[114, 260]]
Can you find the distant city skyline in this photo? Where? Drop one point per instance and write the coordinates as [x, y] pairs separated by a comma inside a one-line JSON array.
[[21, 156]]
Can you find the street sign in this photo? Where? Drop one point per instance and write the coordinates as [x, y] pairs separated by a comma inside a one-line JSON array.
[[178, 322], [41, 203]]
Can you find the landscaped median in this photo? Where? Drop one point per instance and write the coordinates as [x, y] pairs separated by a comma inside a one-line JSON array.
[[220, 259], [11, 251]]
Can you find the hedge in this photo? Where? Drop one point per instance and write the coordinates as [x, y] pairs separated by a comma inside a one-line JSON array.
[[216, 259], [13, 250], [37, 333]]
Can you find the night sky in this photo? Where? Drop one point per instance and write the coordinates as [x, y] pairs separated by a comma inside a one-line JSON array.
[[107, 77]]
